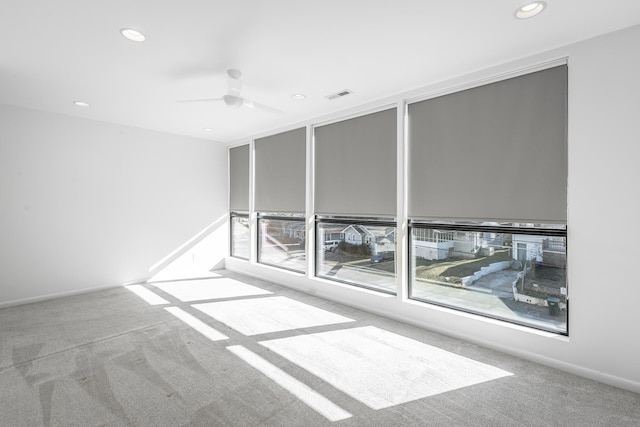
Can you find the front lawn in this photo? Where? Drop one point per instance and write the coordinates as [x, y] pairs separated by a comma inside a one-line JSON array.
[[452, 270]]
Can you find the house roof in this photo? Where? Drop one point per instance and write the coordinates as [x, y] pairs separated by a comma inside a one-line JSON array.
[[360, 229]]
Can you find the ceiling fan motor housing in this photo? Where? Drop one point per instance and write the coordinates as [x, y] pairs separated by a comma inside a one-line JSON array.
[[233, 101]]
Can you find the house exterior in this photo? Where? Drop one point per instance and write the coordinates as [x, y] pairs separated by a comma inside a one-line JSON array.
[[543, 250], [385, 243], [296, 230], [358, 235], [331, 236], [355, 234], [434, 244]]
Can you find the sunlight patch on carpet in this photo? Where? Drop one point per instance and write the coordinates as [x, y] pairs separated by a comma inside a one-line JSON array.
[[197, 324], [381, 368], [150, 297], [271, 314], [312, 398]]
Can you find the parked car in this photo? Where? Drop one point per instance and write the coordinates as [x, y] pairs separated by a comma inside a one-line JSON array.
[[383, 256], [330, 245]]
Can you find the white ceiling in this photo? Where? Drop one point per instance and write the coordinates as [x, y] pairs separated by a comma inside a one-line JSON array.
[[55, 52]]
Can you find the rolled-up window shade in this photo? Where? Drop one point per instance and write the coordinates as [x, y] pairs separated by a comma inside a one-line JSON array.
[[497, 151], [355, 166], [280, 172], [239, 178]]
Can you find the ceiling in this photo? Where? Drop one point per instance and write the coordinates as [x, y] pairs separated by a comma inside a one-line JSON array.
[[55, 52]]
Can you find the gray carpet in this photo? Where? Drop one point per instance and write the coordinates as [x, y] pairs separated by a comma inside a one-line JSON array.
[[268, 356]]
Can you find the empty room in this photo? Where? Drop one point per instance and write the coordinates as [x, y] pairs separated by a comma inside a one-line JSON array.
[[289, 213]]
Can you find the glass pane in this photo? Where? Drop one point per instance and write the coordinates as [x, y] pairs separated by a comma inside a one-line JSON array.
[[240, 237], [282, 243], [359, 254], [516, 277]]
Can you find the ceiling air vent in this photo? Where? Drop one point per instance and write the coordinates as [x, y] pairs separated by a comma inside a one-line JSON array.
[[339, 94]]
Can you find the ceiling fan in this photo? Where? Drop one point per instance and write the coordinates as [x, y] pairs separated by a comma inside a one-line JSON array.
[[233, 99]]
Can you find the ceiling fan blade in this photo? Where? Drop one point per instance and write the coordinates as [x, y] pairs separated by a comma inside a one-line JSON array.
[[201, 100], [262, 107]]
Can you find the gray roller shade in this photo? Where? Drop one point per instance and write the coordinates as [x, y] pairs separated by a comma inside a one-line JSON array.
[[497, 151], [355, 166], [280, 172], [239, 178]]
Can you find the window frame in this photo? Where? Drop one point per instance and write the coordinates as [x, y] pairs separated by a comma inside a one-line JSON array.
[[233, 215], [547, 230], [378, 222], [279, 217]]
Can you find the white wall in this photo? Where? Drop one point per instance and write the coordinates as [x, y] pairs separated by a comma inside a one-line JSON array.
[[603, 199], [86, 204], [604, 133]]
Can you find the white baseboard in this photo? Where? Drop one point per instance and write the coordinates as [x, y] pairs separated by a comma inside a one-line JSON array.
[[40, 298]]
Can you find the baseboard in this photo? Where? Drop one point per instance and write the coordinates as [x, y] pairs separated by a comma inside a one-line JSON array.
[[571, 368], [47, 297], [591, 374]]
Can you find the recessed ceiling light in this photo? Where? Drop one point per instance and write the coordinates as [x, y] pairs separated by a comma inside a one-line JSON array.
[[208, 129], [298, 96], [81, 103], [530, 10], [132, 34]]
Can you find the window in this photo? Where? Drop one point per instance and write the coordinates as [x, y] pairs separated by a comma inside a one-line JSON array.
[[280, 184], [484, 164], [239, 158], [281, 242], [355, 178], [358, 252], [513, 273], [240, 247], [486, 170]]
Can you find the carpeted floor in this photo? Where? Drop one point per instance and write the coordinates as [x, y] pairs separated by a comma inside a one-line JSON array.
[[237, 351]]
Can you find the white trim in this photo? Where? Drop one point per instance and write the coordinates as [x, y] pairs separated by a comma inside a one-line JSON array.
[[310, 235], [47, 297], [338, 116], [240, 143], [229, 230], [253, 216], [490, 78], [355, 115], [401, 241]]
